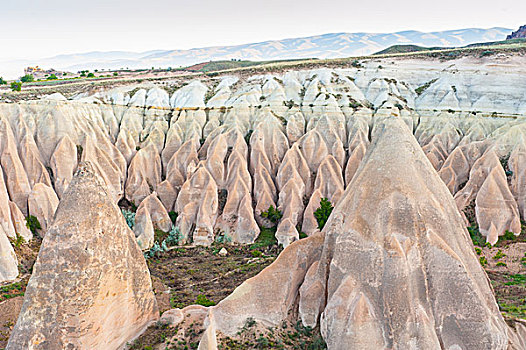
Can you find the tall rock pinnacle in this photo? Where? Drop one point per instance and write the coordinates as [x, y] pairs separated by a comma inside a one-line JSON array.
[[90, 288]]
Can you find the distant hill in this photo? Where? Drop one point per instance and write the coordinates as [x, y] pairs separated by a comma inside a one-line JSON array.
[[405, 49], [415, 48], [321, 46]]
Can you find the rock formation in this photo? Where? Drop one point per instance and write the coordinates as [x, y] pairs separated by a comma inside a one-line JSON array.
[[282, 139], [90, 287], [393, 268], [519, 34]]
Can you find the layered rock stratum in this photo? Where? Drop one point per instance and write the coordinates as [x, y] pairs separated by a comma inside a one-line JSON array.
[[90, 287]]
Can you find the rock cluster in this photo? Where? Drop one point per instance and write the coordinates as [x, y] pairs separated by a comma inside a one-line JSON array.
[[222, 154], [392, 269], [90, 287]]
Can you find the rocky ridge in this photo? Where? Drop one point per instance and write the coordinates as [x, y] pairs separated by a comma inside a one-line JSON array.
[[520, 33]]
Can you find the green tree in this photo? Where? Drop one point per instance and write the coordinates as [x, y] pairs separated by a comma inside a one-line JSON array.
[[52, 77], [323, 212], [2, 81], [16, 86], [27, 78], [91, 75], [273, 214]]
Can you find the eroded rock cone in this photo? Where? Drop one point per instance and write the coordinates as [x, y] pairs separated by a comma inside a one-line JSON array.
[[90, 287], [395, 269]]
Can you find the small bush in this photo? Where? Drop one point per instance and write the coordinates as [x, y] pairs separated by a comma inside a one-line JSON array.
[[203, 300], [273, 214], [500, 263], [174, 237], [483, 261], [16, 86], [323, 212], [129, 216], [33, 224], [91, 75], [2, 81], [478, 250]]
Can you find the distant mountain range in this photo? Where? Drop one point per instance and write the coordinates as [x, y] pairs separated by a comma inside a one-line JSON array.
[[321, 46]]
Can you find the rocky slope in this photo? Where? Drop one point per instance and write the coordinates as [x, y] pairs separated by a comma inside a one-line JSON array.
[[220, 152]]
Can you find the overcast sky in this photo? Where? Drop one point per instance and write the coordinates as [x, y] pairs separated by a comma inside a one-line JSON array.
[[38, 28]]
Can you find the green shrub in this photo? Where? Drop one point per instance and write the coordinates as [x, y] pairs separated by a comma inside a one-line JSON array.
[[28, 78], [16, 86], [323, 212], [52, 77], [478, 250], [203, 300], [129, 216], [507, 236], [91, 75], [174, 237], [115, 74], [273, 214], [33, 224], [483, 261], [2, 81], [500, 263]]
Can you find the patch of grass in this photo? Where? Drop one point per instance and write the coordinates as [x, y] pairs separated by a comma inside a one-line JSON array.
[[516, 279], [266, 238], [203, 300]]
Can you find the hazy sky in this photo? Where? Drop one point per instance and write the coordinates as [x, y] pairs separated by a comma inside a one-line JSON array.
[[38, 28]]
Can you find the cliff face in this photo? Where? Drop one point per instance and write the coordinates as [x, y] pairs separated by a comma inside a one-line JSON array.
[[521, 33]]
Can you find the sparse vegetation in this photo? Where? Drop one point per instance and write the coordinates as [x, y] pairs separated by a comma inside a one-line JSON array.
[[420, 90], [2, 81]]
